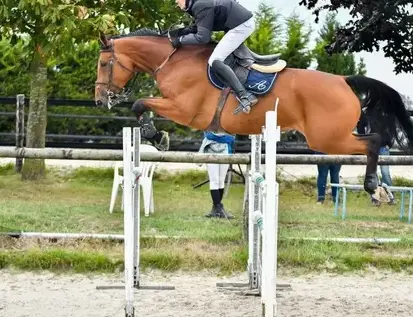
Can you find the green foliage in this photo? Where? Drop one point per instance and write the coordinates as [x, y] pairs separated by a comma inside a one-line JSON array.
[[266, 38], [337, 63], [14, 68], [361, 67], [72, 76], [384, 23], [295, 50], [64, 35]]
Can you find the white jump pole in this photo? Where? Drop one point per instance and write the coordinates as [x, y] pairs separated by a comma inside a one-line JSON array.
[[131, 202], [128, 184], [270, 225], [254, 204], [136, 205]]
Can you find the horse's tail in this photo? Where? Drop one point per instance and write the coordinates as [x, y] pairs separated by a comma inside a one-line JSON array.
[[384, 109]]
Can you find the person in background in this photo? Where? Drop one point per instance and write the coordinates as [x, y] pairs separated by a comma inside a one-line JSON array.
[[323, 170], [364, 127], [217, 143]]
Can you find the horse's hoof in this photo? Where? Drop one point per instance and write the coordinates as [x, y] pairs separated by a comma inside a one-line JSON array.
[[163, 144], [381, 195]]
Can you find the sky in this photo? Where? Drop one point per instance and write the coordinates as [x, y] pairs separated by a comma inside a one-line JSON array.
[[378, 66]]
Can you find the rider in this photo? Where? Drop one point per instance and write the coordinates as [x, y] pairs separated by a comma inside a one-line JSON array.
[[220, 15]]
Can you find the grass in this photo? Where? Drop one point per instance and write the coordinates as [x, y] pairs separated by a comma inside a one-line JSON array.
[[78, 201]]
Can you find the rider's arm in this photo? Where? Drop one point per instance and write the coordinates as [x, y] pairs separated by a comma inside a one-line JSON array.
[[205, 22]]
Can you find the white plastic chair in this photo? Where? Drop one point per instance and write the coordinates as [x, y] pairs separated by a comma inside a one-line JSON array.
[[145, 180]]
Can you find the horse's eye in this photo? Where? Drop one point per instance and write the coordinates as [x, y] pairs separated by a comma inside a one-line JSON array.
[[103, 64]]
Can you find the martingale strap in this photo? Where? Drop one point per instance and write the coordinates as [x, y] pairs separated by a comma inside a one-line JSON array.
[[215, 125]]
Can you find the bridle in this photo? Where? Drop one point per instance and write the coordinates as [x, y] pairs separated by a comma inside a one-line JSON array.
[[124, 93]]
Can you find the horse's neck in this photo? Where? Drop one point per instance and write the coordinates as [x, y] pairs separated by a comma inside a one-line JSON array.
[[150, 52], [146, 52]]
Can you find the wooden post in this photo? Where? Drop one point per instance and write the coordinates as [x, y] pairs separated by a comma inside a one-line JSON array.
[[19, 129]]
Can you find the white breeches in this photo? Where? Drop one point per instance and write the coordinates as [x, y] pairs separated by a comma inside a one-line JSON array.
[[232, 40], [217, 173]]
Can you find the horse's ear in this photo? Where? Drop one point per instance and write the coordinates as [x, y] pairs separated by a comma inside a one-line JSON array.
[[103, 39]]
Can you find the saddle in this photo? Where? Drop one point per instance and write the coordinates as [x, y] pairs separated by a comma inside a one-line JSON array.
[[256, 72]]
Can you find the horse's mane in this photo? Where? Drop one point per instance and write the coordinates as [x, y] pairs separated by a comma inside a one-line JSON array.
[[142, 32], [138, 32], [145, 32]]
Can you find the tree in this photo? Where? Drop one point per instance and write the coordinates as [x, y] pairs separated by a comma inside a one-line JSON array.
[[295, 50], [52, 29], [408, 102], [373, 23], [267, 37], [337, 63]]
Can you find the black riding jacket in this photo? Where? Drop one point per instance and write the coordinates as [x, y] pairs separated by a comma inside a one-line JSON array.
[[214, 15]]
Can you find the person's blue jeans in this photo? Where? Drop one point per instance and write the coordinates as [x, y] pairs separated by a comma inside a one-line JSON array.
[[323, 170], [384, 169]]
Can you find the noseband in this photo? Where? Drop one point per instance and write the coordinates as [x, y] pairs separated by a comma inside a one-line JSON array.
[[123, 93]]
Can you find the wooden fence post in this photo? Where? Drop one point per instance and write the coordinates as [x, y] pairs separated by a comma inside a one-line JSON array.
[[19, 129]]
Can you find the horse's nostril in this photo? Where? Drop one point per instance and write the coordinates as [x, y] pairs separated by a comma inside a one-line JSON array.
[[99, 103]]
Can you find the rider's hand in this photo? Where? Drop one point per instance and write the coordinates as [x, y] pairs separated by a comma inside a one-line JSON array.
[[176, 43]]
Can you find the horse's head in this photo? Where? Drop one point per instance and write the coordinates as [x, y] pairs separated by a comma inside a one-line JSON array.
[[113, 73]]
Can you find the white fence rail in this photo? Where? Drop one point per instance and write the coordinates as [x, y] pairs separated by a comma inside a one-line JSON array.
[[187, 157]]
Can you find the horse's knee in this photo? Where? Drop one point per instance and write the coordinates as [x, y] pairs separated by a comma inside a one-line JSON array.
[[139, 108]]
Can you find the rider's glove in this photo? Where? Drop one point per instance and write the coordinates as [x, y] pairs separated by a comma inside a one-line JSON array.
[[176, 43]]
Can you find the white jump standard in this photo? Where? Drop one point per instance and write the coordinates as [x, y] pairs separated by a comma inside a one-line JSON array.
[[263, 219], [131, 201]]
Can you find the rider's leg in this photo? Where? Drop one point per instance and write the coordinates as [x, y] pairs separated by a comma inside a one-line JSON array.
[[228, 44]]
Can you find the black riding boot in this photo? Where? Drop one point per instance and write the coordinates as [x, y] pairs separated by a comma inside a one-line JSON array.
[[216, 199], [224, 213], [227, 75]]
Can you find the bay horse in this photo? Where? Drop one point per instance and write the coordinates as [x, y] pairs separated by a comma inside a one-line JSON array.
[[324, 107]]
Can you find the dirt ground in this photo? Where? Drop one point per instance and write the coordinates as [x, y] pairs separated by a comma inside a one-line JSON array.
[[49, 295]]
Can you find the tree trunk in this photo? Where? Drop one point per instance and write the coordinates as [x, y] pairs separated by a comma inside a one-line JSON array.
[[34, 169]]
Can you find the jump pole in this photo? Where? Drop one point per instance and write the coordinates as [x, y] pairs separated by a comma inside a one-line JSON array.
[[131, 201], [271, 136], [254, 203]]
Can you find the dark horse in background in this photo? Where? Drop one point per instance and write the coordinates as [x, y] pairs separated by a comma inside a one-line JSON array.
[[324, 107]]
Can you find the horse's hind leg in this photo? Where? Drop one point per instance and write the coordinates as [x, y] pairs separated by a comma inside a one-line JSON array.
[[373, 149], [368, 144]]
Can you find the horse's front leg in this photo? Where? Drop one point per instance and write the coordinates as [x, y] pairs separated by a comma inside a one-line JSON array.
[[160, 139]]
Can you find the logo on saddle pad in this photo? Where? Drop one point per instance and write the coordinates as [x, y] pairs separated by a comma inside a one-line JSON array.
[[257, 82], [262, 85]]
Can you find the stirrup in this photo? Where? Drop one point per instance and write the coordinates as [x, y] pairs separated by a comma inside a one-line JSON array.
[[245, 108]]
